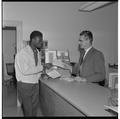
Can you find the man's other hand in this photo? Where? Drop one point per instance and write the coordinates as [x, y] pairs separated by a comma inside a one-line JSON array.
[[48, 65], [69, 67], [80, 79]]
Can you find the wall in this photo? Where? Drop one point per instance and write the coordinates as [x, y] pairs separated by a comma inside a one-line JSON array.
[[61, 24]]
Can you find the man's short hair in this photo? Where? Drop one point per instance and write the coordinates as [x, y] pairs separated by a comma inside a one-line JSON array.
[[35, 34], [87, 34]]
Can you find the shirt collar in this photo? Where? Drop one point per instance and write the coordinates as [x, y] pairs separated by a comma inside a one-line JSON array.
[[88, 49], [30, 50]]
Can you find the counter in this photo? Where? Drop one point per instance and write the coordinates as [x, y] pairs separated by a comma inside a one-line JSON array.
[[62, 98]]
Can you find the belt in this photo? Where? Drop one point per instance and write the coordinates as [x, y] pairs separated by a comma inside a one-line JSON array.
[[27, 83]]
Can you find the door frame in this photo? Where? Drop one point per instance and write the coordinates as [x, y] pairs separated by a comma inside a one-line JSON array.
[[4, 29], [19, 31]]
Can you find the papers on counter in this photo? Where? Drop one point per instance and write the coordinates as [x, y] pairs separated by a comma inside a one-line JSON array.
[[63, 65], [53, 74], [56, 74], [114, 108], [58, 63]]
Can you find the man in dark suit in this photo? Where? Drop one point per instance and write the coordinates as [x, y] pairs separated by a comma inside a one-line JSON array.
[[91, 65]]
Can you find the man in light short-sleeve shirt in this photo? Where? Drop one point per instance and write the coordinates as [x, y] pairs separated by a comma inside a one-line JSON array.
[[28, 71]]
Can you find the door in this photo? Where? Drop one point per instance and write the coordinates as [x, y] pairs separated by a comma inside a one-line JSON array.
[[8, 48]]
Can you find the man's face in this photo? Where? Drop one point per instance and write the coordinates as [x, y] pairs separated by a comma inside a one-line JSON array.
[[38, 41], [83, 42]]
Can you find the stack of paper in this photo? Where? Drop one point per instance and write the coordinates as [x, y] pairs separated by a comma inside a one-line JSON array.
[[114, 108], [58, 63], [53, 74]]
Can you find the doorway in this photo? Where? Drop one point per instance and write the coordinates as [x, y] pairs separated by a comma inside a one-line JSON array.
[[9, 48]]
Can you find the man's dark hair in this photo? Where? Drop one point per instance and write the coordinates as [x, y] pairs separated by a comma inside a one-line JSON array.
[[87, 34], [35, 34]]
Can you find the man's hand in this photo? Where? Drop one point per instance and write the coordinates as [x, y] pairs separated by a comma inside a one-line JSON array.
[[48, 65], [66, 66], [80, 79], [66, 62]]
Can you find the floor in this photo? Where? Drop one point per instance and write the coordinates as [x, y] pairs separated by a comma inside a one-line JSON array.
[[9, 103]]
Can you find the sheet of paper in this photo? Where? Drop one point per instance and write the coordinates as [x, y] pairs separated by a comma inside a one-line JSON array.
[[58, 63], [54, 74], [112, 108]]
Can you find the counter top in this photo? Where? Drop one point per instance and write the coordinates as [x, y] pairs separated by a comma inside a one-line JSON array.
[[89, 98]]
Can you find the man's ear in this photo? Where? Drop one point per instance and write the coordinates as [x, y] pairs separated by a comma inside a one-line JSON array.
[[87, 38]]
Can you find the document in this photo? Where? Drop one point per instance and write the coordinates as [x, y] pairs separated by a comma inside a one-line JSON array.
[[54, 74], [63, 65], [114, 108], [58, 63]]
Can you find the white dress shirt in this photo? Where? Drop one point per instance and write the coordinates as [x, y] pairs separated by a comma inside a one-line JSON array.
[[26, 70], [86, 51]]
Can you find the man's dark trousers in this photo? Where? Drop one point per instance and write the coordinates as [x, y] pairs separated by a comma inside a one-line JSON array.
[[28, 95]]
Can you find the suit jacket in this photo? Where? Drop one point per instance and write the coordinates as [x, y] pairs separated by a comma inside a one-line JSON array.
[[93, 66]]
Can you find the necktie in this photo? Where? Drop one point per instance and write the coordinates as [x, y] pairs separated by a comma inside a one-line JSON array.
[[36, 56], [82, 53]]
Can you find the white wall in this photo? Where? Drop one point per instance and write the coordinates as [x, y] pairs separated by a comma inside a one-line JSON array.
[[61, 24]]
